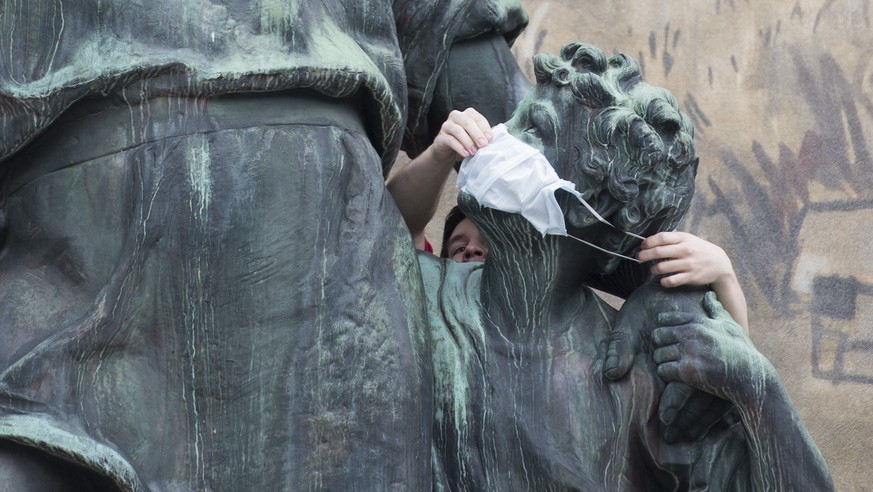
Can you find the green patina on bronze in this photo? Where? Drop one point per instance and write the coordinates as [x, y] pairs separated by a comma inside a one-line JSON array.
[[205, 286], [521, 344]]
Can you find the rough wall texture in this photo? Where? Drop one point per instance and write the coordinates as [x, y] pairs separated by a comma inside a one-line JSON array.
[[781, 94]]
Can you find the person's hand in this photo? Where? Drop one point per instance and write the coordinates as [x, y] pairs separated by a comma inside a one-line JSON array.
[[710, 352], [681, 258], [417, 186], [685, 259], [461, 135]]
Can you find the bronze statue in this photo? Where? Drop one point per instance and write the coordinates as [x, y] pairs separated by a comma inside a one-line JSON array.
[[203, 283], [204, 286], [519, 342]]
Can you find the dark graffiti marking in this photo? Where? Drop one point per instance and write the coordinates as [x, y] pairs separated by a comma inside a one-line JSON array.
[[771, 188], [667, 60], [839, 345], [772, 202], [698, 117]]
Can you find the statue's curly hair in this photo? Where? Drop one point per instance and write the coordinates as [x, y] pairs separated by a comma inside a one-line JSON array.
[[635, 127]]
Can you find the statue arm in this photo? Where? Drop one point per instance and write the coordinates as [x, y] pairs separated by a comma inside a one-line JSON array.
[[481, 73], [678, 259], [467, 65], [712, 353]]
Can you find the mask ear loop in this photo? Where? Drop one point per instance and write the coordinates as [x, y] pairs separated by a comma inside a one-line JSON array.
[[613, 253], [601, 219]]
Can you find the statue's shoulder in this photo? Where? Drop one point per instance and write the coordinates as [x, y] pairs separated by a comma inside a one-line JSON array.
[[431, 266], [436, 271], [450, 286], [652, 298]]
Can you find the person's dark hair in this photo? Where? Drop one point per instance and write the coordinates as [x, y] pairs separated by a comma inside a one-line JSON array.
[[454, 218]]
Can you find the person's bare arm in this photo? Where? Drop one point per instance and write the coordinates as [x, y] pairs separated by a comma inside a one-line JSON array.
[[416, 187], [685, 259]]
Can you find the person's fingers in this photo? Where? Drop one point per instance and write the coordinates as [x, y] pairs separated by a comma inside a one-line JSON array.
[[661, 239], [457, 127], [647, 253], [677, 279], [662, 251], [668, 266], [655, 240], [482, 127], [469, 129], [445, 140]]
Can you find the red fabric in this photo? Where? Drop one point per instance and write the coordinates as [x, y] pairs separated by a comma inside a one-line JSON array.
[[427, 246]]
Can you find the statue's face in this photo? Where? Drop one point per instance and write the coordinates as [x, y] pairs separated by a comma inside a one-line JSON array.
[[632, 181], [550, 120]]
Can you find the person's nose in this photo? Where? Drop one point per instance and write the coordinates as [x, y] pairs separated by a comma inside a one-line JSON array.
[[475, 251]]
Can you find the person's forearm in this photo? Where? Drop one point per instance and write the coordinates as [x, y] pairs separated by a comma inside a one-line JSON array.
[[416, 188], [731, 296]]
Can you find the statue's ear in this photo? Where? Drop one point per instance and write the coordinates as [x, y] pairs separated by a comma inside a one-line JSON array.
[[579, 216], [575, 213]]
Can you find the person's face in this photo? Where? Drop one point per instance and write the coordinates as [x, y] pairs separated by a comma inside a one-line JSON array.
[[466, 244]]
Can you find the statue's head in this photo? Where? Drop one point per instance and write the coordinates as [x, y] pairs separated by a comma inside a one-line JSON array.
[[624, 143]]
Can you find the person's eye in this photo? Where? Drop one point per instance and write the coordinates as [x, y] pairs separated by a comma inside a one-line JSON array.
[[459, 249]]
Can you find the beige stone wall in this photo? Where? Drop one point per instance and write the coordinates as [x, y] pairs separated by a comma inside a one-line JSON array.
[[781, 94]]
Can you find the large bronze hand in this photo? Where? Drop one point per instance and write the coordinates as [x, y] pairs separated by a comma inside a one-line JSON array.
[[685, 412], [709, 351]]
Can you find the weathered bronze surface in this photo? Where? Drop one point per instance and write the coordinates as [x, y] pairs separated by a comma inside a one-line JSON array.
[[204, 286], [203, 283], [519, 342]]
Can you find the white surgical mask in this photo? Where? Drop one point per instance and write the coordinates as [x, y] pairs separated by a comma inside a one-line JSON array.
[[511, 176]]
